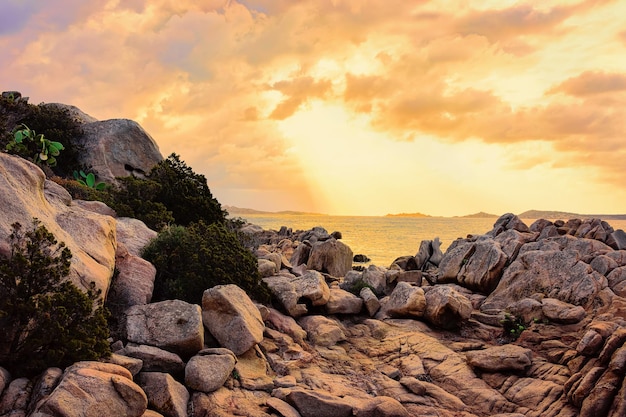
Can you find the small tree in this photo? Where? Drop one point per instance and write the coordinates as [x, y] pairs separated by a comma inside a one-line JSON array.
[[185, 193], [192, 259], [46, 320]]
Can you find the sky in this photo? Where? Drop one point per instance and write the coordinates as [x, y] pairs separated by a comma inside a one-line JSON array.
[[350, 107]]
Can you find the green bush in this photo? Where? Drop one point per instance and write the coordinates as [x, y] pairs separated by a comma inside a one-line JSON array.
[[199, 256], [46, 320], [54, 123], [136, 197], [185, 193]]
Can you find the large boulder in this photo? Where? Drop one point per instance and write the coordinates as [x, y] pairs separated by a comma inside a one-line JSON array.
[[343, 302], [406, 301], [232, 318], [319, 404], [290, 290], [501, 358], [322, 331], [446, 307], [117, 148], [165, 395], [154, 359], [94, 389], [134, 283], [555, 273], [331, 256], [474, 265], [134, 234], [173, 325], [209, 369], [25, 193]]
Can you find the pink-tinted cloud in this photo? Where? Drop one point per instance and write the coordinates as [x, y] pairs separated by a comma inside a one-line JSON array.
[[592, 82]]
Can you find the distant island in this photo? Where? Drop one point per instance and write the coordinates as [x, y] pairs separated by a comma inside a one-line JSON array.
[[408, 215], [529, 214], [563, 215], [239, 210]]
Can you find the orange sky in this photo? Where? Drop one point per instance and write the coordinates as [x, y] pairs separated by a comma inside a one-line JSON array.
[[357, 107]]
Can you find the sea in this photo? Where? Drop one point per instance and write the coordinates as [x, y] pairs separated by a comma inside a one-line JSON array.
[[385, 238]]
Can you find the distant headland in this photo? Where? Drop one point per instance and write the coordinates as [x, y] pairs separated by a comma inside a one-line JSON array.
[[529, 214]]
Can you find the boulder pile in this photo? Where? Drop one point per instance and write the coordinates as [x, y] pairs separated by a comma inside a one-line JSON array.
[[524, 320]]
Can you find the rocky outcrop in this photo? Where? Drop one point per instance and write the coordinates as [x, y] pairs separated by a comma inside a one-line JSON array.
[[117, 148], [26, 194]]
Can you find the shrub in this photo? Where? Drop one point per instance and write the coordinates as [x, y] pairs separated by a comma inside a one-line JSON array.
[[194, 258], [54, 123], [135, 197], [46, 320], [185, 193]]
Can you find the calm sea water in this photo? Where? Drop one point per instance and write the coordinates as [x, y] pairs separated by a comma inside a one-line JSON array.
[[383, 239]]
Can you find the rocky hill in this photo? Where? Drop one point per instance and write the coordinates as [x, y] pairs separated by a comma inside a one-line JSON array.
[[524, 320]]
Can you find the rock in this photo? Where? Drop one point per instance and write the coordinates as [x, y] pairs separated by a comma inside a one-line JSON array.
[[45, 384], [508, 221], [561, 312], [446, 308], [412, 277], [617, 239], [301, 254], [330, 256], [75, 113], [617, 280], [94, 389], [322, 331], [501, 358], [25, 193], [94, 206], [406, 301], [5, 379], [134, 365], [290, 290], [528, 309], [429, 251], [375, 277], [232, 318], [165, 394], [209, 369], [443, 398], [283, 408], [380, 406], [511, 241], [343, 302], [590, 343], [117, 148], [286, 324], [253, 371], [370, 300], [318, 404], [15, 396], [228, 403], [266, 267], [173, 325], [155, 359], [603, 264], [557, 274], [134, 283], [134, 234]]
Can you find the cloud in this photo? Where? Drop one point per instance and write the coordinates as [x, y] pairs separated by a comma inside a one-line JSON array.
[[592, 82], [298, 91]]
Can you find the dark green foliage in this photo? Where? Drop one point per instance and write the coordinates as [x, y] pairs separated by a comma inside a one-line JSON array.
[[185, 193], [46, 320], [512, 327], [136, 197], [358, 285], [192, 259], [55, 123]]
